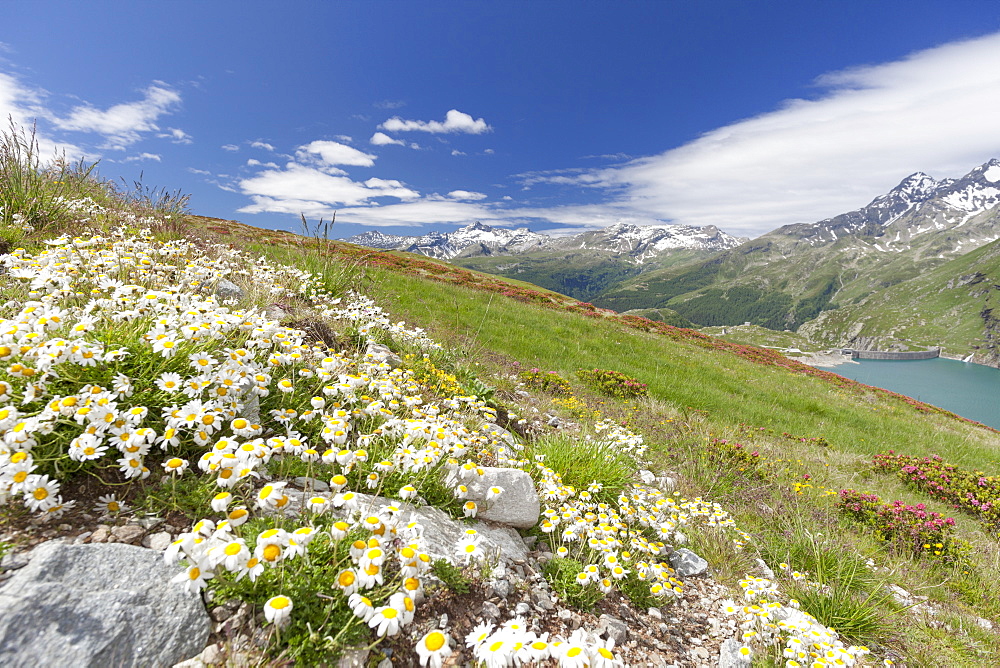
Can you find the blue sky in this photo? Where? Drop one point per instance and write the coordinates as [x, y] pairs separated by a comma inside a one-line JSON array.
[[560, 116]]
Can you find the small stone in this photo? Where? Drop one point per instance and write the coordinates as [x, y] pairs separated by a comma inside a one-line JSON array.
[[613, 629], [276, 312], [663, 628], [83, 538], [564, 614], [382, 353], [221, 613], [302, 482], [353, 658], [158, 541], [385, 663], [765, 569], [984, 623], [101, 534], [701, 653], [695, 640], [542, 600], [148, 523], [501, 587], [490, 610], [522, 608], [129, 534], [655, 613], [211, 655], [443, 622]]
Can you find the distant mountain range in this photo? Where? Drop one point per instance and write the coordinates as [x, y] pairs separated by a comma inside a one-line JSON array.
[[631, 242], [900, 271], [787, 277]]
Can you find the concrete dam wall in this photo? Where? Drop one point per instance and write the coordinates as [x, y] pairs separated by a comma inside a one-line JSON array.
[[889, 355]]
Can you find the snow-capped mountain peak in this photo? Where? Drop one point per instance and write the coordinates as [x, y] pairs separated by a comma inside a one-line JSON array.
[[636, 242]]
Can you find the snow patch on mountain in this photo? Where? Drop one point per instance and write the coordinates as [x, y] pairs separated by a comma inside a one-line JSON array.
[[637, 243], [919, 204]]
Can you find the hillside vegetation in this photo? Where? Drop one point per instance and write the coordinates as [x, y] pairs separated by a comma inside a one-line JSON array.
[[336, 363], [952, 306]]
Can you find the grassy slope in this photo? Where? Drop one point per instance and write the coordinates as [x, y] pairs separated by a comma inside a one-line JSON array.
[[582, 274], [732, 390]]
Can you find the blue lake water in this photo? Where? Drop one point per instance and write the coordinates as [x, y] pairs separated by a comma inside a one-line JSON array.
[[970, 390]]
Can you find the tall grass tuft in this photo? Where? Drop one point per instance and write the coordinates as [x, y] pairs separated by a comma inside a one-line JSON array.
[[34, 194]]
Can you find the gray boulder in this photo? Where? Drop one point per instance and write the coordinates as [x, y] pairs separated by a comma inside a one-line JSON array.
[[98, 605], [518, 506], [441, 532], [729, 655], [225, 289], [382, 353], [687, 563]]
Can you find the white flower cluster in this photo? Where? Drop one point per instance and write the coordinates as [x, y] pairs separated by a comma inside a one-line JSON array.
[[367, 316], [616, 540], [804, 641], [513, 645], [129, 309]]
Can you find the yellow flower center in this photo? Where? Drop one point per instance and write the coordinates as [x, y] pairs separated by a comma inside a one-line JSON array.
[[233, 549], [280, 602], [272, 552], [434, 641], [390, 613], [194, 573], [346, 579]]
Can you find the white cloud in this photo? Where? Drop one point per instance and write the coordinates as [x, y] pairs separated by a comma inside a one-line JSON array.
[[257, 163], [202, 172], [489, 151], [454, 121], [123, 124], [466, 195], [382, 139], [22, 105], [344, 138], [333, 153], [418, 212], [933, 111], [176, 135], [455, 151], [261, 144], [143, 157], [230, 147]]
